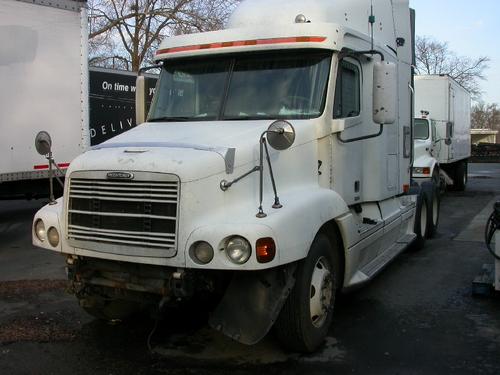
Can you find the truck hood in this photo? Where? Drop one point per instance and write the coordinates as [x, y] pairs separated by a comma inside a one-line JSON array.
[[422, 148], [191, 150], [423, 157]]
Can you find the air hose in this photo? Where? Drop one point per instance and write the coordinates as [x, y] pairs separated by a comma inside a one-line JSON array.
[[492, 225]]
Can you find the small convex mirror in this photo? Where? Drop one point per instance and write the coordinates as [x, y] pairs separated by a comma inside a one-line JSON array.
[[384, 92], [43, 143], [281, 135]]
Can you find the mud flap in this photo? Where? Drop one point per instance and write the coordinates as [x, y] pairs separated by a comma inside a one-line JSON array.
[[252, 303]]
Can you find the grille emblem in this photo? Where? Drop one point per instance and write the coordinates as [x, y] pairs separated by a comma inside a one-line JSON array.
[[120, 176]]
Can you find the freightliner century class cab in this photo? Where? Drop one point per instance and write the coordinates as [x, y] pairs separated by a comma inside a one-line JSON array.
[[273, 170]]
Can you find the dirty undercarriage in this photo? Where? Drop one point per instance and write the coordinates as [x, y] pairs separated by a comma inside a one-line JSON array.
[[242, 305]]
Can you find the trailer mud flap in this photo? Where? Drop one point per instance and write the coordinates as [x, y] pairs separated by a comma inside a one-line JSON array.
[[252, 303]]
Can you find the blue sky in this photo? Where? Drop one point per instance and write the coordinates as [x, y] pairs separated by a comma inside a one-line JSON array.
[[470, 28]]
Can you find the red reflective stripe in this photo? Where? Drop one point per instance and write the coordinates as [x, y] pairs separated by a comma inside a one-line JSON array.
[[46, 166], [240, 43]]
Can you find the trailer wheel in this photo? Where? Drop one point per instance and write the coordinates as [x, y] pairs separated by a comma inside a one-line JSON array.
[[304, 321], [434, 202], [460, 177], [421, 224]]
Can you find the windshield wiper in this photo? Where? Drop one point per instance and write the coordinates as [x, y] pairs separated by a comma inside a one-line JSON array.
[[170, 119]]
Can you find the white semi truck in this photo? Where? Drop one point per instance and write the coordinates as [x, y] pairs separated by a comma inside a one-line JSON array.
[[43, 71], [442, 131], [273, 171]]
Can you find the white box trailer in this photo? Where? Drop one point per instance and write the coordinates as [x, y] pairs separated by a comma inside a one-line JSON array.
[[43, 71], [442, 129]]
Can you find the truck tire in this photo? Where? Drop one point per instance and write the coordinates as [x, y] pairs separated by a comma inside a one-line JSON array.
[[436, 181], [304, 320], [420, 224], [434, 202], [460, 177]]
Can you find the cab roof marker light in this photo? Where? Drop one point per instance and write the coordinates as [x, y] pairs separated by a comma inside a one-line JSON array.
[[242, 43]]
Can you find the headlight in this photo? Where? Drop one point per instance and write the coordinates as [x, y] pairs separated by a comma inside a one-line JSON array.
[[201, 252], [53, 236], [238, 249], [40, 230]]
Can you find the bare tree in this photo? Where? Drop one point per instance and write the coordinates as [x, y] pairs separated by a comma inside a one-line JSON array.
[[485, 116], [434, 57], [123, 33]]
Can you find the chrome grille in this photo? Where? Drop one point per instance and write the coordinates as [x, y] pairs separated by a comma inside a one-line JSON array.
[[129, 217]]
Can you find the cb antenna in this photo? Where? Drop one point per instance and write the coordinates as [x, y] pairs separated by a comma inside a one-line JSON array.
[[372, 51], [371, 20]]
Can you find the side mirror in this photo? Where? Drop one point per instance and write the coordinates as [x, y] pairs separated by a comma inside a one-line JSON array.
[[281, 135], [449, 133], [43, 143], [449, 129], [384, 92], [140, 100]]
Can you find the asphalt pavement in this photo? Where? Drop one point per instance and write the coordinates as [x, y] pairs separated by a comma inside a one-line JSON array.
[[416, 317]]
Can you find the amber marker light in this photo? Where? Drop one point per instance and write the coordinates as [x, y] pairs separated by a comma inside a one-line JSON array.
[[265, 250], [426, 170], [242, 43]]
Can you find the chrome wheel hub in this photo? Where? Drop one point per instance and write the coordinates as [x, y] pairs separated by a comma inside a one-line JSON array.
[[321, 292]]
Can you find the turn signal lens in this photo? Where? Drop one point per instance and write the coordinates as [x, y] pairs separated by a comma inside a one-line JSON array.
[[265, 250], [53, 236], [424, 170], [40, 230]]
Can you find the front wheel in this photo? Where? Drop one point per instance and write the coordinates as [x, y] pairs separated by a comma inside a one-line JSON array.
[[434, 202], [420, 224], [307, 314]]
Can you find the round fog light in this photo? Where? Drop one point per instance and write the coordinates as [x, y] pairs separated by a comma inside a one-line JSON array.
[[53, 236], [202, 252], [40, 230], [238, 249]]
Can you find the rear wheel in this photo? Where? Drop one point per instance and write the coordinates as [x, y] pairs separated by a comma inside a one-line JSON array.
[[460, 177], [304, 321]]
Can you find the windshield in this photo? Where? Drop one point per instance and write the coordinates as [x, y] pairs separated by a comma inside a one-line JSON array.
[[270, 86], [421, 129]]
